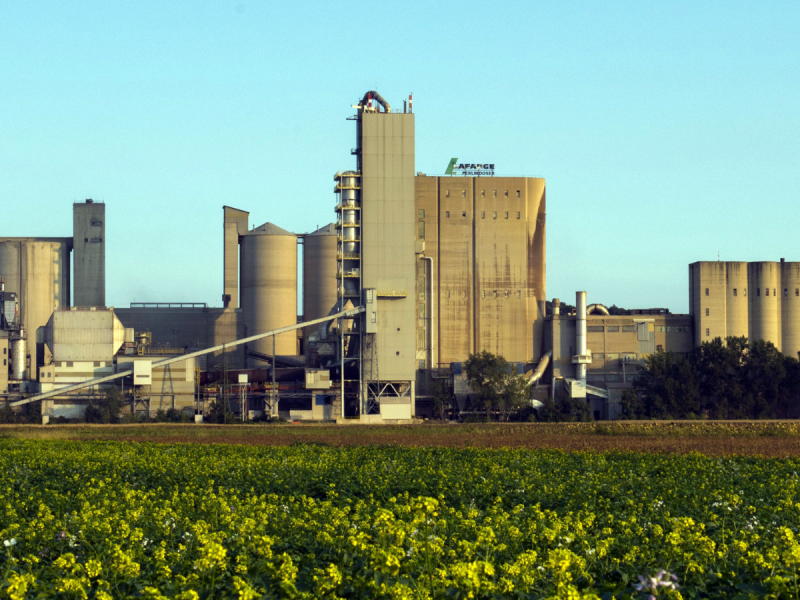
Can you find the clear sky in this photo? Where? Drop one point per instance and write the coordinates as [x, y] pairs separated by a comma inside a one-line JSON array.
[[668, 132]]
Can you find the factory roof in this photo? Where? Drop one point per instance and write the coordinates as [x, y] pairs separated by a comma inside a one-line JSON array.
[[329, 229], [268, 229]]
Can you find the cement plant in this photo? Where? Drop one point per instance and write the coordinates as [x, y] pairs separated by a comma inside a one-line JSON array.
[[415, 273]]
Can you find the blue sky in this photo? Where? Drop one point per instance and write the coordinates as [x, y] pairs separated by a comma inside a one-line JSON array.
[[668, 132]]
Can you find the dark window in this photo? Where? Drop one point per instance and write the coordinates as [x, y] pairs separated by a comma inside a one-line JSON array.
[[483, 214], [734, 291], [447, 194], [463, 193], [506, 214], [518, 214], [706, 312], [517, 193], [506, 193], [758, 291], [797, 291], [594, 328], [483, 193], [447, 214], [421, 213], [785, 292], [613, 328], [494, 214], [629, 328], [464, 213], [706, 291], [708, 332], [766, 291]]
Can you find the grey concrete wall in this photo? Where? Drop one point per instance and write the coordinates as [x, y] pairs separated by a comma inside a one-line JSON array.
[[235, 223], [89, 260], [388, 222], [190, 328]]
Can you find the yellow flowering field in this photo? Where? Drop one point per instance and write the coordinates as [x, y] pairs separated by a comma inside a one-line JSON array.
[[125, 520]]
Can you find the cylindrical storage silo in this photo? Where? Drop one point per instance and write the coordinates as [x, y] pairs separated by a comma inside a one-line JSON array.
[[320, 296], [18, 356], [269, 287], [790, 308], [763, 282], [736, 300], [10, 264]]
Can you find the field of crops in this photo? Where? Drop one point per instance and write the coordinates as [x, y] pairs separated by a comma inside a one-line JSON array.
[[777, 439], [111, 519]]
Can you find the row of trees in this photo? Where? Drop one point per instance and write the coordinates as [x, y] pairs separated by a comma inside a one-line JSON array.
[[719, 380]]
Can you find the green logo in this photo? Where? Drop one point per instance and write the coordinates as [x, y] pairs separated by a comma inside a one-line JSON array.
[[449, 170]]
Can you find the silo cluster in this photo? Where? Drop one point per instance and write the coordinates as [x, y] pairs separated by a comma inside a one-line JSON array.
[[757, 300]]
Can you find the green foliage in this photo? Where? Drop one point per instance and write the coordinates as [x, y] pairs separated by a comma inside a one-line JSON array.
[[443, 400], [7, 415], [499, 388], [106, 409], [219, 412], [563, 409], [129, 520], [723, 380]]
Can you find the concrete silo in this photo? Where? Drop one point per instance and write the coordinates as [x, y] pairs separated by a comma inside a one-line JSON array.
[[269, 286], [38, 271], [764, 281], [790, 308], [736, 300], [320, 296]]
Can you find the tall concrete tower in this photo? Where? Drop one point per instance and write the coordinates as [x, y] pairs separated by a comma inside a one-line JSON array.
[[89, 259], [385, 154]]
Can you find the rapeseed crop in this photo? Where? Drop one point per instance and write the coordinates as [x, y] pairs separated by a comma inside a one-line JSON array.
[[120, 520]]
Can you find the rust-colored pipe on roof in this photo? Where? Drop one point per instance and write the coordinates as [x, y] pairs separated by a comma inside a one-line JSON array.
[[378, 98]]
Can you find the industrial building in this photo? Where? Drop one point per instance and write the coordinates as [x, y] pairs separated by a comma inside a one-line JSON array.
[[414, 273], [758, 300], [596, 355]]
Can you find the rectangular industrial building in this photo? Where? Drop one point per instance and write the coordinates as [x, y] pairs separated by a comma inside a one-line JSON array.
[[481, 268]]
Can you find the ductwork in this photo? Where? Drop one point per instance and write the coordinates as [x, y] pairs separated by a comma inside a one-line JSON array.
[[537, 373], [373, 95], [596, 309]]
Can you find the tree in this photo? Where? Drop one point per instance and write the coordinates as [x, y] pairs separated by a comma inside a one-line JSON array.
[[514, 394], [725, 379], [764, 372], [105, 409], [442, 400], [497, 384], [668, 386], [486, 373]]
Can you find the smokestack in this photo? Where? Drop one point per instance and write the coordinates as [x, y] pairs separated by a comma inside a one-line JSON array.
[[556, 306], [580, 334]]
